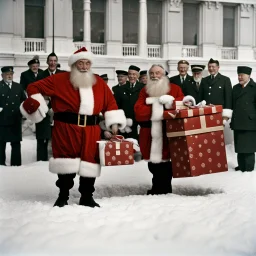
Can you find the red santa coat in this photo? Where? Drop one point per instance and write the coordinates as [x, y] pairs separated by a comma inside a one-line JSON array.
[[75, 148], [153, 140]]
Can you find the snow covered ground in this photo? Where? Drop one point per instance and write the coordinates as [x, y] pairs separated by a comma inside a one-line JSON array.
[[207, 215]]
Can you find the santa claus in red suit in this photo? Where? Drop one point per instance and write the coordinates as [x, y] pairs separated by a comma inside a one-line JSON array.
[[156, 96], [77, 99]]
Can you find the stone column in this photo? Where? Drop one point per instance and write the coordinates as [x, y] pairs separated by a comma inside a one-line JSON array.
[[19, 25], [63, 26], [114, 33], [6, 25], [172, 29], [142, 42], [245, 36], [87, 24], [210, 33]]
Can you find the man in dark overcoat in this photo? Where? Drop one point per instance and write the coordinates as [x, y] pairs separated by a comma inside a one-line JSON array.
[[11, 96], [43, 129], [126, 98], [183, 77], [192, 87], [29, 76], [122, 76], [243, 121], [217, 89]]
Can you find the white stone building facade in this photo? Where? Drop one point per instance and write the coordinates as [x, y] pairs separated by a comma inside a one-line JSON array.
[[125, 32]]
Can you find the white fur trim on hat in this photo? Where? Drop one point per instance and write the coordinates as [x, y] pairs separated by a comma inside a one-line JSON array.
[[80, 56], [115, 117], [189, 98], [64, 165], [38, 115], [88, 169], [227, 112]]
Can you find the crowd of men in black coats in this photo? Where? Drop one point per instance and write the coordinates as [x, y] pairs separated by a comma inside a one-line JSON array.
[[214, 89]]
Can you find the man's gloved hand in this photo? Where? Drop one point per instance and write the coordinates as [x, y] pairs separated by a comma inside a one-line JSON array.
[[114, 129], [31, 105]]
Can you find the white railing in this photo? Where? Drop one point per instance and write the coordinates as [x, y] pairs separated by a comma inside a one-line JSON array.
[[97, 49], [190, 51], [229, 53], [130, 49], [34, 45], [154, 51]]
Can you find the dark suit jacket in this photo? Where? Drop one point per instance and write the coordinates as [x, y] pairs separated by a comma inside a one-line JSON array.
[[27, 77], [10, 116], [244, 107], [126, 98], [190, 88], [176, 80], [217, 91], [46, 73]]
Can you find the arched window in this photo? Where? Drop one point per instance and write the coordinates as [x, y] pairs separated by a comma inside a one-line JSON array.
[[34, 18]]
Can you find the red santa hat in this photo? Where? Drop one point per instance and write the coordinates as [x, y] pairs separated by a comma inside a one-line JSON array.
[[79, 55]]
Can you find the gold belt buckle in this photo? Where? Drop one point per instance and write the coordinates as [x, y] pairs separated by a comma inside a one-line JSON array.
[[78, 121]]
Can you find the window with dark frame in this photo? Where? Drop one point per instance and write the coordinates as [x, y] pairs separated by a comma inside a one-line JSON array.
[[228, 26]]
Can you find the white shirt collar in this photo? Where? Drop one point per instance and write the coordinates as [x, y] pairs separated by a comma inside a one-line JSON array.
[[183, 77], [50, 72]]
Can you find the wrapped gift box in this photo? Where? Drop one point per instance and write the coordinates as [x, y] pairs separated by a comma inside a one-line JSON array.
[[196, 141], [116, 153], [178, 105]]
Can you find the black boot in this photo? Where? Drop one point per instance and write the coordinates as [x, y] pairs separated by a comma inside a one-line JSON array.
[[88, 201], [61, 202]]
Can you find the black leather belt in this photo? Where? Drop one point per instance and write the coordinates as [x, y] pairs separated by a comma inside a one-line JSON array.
[[73, 118], [145, 124]]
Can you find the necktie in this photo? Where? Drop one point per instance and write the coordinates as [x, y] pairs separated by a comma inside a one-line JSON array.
[[132, 85], [9, 84], [197, 85], [182, 80], [212, 77], [35, 75]]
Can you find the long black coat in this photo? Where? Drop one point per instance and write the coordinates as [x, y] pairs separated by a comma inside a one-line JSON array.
[[43, 129], [176, 80], [115, 88], [10, 116], [27, 77], [126, 98], [217, 91], [191, 89], [243, 120]]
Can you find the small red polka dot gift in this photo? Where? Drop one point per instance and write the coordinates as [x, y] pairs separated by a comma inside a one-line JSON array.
[[196, 140], [117, 151]]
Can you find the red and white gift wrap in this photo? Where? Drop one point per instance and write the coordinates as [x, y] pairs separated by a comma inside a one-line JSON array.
[[178, 105], [196, 141], [116, 153]]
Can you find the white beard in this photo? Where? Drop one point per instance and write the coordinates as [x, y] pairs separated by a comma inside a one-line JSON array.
[[198, 80], [157, 88], [81, 79]]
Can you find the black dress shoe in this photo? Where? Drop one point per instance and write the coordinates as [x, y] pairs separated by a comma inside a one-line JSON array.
[[237, 168], [61, 202], [88, 201]]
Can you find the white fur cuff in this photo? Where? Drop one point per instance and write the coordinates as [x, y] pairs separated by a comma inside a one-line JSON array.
[[88, 169], [227, 112], [115, 117], [64, 165]]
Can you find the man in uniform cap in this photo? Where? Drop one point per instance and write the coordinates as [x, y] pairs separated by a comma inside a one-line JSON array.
[[183, 77], [143, 77], [217, 90], [105, 78], [193, 86], [122, 79], [78, 97], [127, 96], [11, 96], [243, 121], [30, 75]]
